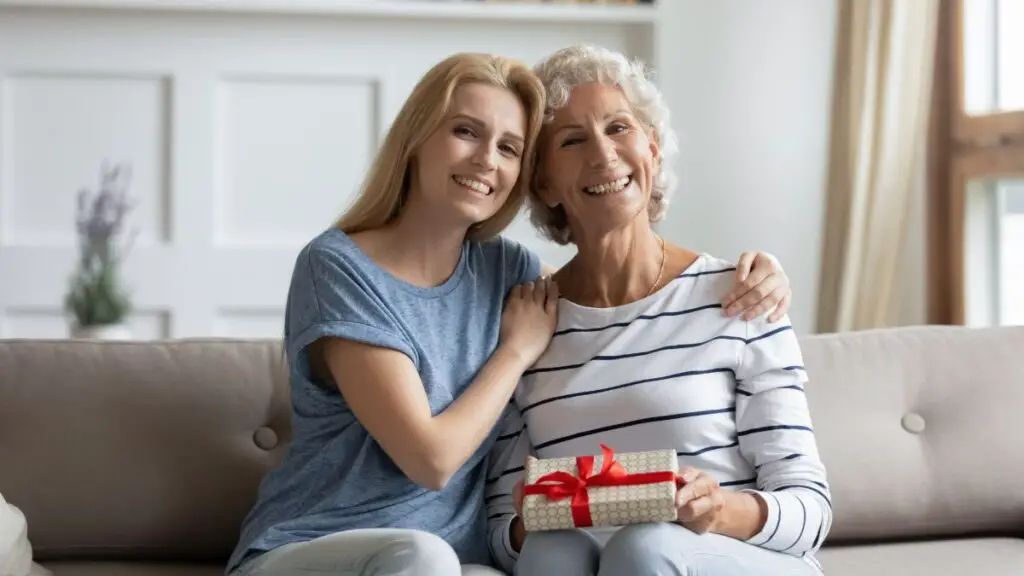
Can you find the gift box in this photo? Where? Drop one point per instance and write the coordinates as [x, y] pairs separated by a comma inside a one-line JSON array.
[[601, 490]]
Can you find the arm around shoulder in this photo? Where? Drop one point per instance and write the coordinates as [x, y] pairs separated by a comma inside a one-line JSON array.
[[354, 344], [389, 400]]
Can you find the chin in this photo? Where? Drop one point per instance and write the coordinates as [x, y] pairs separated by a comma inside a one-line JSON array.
[[470, 215]]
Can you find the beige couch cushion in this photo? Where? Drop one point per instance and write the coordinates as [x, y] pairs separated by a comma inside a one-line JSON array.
[[870, 392], [985, 557], [135, 449]]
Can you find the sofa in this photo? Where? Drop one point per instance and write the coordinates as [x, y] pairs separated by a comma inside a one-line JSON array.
[[141, 458]]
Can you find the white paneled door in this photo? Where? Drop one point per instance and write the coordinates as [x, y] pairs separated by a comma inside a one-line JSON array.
[[247, 134]]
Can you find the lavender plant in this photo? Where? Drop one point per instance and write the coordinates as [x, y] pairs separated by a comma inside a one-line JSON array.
[[96, 296]]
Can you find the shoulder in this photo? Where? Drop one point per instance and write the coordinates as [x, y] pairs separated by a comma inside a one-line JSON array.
[[332, 262], [331, 248], [329, 272], [709, 277], [335, 291], [503, 247]]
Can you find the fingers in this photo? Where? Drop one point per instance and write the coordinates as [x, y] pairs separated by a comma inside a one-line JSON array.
[[696, 485], [528, 289], [743, 266], [745, 281], [767, 303], [748, 279], [687, 474], [540, 290], [763, 292], [701, 515], [782, 308], [516, 293], [551, 306], [694, 489], [517, 497], [694, 509], [699, 501]]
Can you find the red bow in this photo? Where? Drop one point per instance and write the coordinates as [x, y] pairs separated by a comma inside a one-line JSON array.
[[612, 474]]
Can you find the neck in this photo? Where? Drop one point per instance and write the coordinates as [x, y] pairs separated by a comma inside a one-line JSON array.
[[616, 268], [421, 250]]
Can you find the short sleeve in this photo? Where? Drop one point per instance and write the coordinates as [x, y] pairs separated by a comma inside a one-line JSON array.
[[520, 264], [331, 296]]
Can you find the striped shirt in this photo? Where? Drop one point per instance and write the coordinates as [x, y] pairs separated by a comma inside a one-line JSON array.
[[672, 371]]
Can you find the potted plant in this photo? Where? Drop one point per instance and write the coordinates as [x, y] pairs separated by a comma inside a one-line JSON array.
[[96, 299]]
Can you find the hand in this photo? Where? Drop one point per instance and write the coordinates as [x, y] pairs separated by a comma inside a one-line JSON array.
[[517, 497], [528, 322], [517, 532], [700, 503], [761, 284]]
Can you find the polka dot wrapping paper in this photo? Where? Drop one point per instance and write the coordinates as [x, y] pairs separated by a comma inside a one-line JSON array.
[[565, 493]]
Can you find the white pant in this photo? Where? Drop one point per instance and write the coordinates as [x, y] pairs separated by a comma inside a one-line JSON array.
[[663, 549], [369, 552]]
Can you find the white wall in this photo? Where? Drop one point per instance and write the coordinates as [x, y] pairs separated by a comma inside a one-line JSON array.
[[749, 82], [249, 130], [195, 98]]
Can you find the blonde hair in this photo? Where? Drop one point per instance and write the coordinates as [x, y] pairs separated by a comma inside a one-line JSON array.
[[570, 67], [387, 183]]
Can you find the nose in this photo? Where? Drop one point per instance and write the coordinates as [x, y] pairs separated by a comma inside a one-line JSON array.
[[484, 156], [602, 152]]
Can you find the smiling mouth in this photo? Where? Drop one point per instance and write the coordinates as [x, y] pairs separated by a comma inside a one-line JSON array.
[[617, 185], [474, 185]]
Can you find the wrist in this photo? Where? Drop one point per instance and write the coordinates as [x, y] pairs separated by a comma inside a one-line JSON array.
[[514, 357], [743, 516]]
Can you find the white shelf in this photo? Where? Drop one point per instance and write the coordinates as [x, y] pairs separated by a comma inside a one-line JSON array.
[[400, 9]]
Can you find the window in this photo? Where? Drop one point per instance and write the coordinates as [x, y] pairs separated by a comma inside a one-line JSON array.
[[976, 225]]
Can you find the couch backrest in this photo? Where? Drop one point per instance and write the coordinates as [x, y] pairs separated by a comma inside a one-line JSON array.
[[156, 449], [920, 429], [138, 449]]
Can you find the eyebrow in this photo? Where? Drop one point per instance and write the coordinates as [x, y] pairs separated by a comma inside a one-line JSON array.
[[480, 123], [620, 112]]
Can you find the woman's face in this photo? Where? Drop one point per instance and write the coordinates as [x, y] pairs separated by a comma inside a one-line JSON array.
[[597, 161], [467, 167]]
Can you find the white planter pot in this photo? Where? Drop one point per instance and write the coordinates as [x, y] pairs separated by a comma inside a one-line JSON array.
[[102, 332]]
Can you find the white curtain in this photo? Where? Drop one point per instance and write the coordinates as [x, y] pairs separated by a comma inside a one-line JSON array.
[[880, 108]]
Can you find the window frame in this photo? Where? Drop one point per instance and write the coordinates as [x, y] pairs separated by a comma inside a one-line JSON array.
[[962, 147]]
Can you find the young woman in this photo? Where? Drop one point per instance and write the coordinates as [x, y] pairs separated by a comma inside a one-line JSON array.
[[401, 353]]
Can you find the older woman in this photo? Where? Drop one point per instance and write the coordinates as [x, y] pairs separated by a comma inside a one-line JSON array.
[[643, 358]]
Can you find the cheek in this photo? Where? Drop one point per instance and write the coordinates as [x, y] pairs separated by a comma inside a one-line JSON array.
[[510, 170]]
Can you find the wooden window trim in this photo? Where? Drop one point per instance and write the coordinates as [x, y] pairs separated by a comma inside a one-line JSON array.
[[961, 148]]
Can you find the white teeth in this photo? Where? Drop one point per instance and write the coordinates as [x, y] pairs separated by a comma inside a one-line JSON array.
[[473, 184], [609, 187]]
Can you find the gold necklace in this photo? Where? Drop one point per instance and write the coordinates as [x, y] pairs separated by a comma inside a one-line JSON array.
[[661, 270]]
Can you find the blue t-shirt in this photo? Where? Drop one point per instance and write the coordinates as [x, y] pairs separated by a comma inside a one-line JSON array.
[[336, 477]]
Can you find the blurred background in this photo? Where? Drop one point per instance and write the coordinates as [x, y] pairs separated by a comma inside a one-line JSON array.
[[876, 147]]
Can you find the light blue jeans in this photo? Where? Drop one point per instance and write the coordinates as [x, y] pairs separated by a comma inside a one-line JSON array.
[[651, 550], [370, 552]]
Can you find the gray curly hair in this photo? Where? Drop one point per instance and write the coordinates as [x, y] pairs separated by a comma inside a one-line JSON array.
[[583, 64]]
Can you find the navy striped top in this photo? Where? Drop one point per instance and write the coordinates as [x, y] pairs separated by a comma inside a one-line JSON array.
[[672, 371]]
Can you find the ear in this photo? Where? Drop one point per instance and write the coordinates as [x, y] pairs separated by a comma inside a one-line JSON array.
[[655, 146]]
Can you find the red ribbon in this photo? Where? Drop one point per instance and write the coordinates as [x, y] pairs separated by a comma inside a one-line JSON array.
[[561, 485]]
